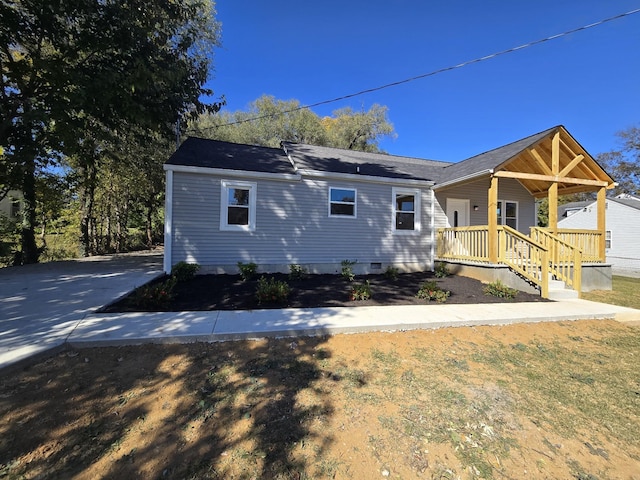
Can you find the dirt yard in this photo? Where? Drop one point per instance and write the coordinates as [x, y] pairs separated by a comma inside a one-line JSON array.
[[540, 401]]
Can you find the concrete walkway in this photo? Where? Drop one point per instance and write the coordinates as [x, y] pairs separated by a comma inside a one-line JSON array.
[[49, 306]]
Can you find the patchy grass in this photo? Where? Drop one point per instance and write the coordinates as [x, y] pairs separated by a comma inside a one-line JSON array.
[[625, 293], [554, 400]]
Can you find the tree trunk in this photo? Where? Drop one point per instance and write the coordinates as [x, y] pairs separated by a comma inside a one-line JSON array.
[[30, 251], [87, 194], [150, 225]]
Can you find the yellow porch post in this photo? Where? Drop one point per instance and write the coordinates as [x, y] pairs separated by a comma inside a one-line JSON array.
[[492, 216], [602, 225], [553, 189]]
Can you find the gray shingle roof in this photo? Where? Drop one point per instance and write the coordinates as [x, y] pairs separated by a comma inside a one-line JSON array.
[[199, 152], [336, 160], [491, 159]]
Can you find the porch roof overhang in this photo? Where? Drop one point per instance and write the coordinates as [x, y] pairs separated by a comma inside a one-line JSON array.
[[555, 158], [537, 162]]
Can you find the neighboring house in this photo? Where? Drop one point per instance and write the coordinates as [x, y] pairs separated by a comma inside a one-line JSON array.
[[11, 204], [316, 206], [622, 228]]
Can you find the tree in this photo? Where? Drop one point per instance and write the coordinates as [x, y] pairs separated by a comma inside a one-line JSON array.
[[76, 73], [624, 164], [268, 122]]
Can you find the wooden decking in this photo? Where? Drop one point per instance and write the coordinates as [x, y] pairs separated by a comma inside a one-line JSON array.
[[537, 258]]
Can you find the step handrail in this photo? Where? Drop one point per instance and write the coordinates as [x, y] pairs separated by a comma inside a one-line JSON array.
[[563, 266], [532, 265]]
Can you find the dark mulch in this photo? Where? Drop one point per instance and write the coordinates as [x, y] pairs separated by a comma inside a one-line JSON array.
[[229, 292]]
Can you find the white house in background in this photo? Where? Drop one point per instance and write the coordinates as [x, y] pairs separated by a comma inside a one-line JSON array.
[[622, 228], [11, 204]]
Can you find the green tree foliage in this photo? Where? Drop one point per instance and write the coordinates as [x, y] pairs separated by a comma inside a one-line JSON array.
[[623, 164], [79, 74], [269, 121]]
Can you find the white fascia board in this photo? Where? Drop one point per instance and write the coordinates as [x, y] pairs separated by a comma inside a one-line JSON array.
[[223, 172], [353, 177], [466, 178]]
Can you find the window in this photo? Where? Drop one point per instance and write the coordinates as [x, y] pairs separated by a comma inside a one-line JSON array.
[[342, 202], [15, 208], [238, 206], [406, 210], [607, 239], [508, 213]]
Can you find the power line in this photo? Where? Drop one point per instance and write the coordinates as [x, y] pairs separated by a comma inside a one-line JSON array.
[[430, 74]]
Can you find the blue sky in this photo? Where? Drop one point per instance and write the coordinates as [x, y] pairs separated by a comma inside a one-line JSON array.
[[315, 51]]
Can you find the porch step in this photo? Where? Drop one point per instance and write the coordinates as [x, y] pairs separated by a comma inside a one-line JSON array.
[[558, 291]]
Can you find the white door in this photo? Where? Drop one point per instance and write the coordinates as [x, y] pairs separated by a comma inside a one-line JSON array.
[[458, 212]]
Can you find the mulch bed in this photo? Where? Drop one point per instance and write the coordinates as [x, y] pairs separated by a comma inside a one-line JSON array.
[[229, 292]]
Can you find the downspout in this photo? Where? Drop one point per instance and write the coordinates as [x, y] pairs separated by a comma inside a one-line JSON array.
[[168, 220]]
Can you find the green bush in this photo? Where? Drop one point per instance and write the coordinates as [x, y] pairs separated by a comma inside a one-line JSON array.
[[347, 269], [361, 291], [156, 295], [183, 271], [441, 270], [272, 291], [391, 273], [297, 272], [247, 270], [499, 289], [431, 291]]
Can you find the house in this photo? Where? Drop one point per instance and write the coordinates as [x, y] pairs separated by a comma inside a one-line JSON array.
[[10, 205], [316, 206], [621, 232]]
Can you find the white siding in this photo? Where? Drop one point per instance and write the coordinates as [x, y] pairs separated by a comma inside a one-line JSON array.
[[623, 222], [293, 226]]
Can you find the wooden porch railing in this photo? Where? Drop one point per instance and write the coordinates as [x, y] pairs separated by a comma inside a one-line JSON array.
[[588, 241], [535, 258]]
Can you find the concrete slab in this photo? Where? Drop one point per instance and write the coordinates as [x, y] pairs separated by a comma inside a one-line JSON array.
[[40, 305]]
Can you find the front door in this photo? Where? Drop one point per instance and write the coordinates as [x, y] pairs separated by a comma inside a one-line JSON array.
[[458, 212]]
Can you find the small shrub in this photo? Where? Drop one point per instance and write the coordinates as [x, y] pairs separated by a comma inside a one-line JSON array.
[[391, 273], [432, 292], [442, 270], [272, 291], [361, 291], [247, 270], [347, 269], [499, 289], [297, 272], [183, 271], [157, 295]]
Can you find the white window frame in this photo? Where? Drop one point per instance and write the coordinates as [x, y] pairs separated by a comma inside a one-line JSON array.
[[502, 217], [417, 193], [608, 239], [225, 186], [355, 203]]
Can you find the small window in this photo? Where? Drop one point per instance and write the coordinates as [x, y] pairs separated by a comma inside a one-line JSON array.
[[342, 202], [406, 210], [15, 208], [607, 239], [238, 206]]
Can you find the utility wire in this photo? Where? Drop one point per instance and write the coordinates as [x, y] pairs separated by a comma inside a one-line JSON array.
[[430, 74]]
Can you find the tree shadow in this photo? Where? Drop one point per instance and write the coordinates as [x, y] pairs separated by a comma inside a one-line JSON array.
[[232, 409]]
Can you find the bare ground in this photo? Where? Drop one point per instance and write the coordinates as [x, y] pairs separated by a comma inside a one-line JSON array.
[[542, 401]]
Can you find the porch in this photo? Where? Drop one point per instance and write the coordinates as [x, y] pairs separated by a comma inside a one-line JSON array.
[[545, 166], [539, 260]]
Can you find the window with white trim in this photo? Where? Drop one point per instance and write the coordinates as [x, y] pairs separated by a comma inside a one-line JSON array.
[[406, 210], [508, 213], [238, 206], [342, 202], [607, 239]]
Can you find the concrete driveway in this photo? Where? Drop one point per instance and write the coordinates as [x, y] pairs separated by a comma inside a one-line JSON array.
[[40, 305]]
